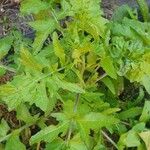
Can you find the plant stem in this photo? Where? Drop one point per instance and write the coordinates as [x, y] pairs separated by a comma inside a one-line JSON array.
[[71, 122], [38, 146], [7, 68], [15, 131], [101, 77], [109, 139], [76, 103]]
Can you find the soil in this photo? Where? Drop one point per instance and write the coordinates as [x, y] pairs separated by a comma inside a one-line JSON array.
[[10, 18], [109, 6]]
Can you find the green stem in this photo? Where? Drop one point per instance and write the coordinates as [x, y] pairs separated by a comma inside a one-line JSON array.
[[76, 103], [72, 121], [15, 131], [7, 68]]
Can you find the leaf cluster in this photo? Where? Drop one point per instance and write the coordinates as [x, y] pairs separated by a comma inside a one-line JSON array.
[[82, 62]]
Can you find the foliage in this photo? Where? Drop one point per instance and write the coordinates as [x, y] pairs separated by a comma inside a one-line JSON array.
[[81, 61]]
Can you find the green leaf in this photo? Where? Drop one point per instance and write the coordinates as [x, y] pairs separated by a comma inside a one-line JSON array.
[[97, 120], [90, 19], [139, 127], [56, 145], [49, 134], [110, 111], [5, 45], [41, 99], [25, 88], [108, 82], [108, 66], [146, 112], [9, 96], [59, 51], [14, 143], [66, 9], [4, 128], [93, 121], [132, 139], [77, 144], [144, 9], [32, 6], [146, 83], [43, 25], [43, 29], [145, 136], [39, 41], [130, 113], [29, 61], [2, 71], [73, 87], [121, 12], [24, 114]]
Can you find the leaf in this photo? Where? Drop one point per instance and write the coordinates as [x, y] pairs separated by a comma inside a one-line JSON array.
[[41, 99], [49, 134], [25, 88], [39, 41], [66, 9], [97, 120], [146, 112], [5, 45], [104, 120], [92, 96], [89, 20], [146, 83], [139, 127], [145, 136], [110, 111], [130, 113], [59, 51], [77, 144], [32, 6], [132, 139], [4, 128], [93, 121], [6, 94], [61, 117], [73, 87], [14, 143], [121, 12], [43, 29], [43, 25], [24, 114], [108, 82], [2, 71], [29, 61], [144, 9], [108, 66], [56, 145]]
